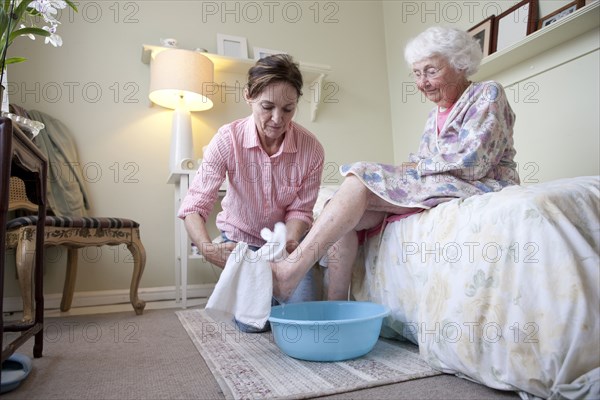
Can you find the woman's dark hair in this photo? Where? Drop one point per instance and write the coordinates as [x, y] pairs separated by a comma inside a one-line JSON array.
[[271, 69]]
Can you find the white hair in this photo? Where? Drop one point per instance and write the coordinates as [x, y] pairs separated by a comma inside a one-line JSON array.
[[457, 46]]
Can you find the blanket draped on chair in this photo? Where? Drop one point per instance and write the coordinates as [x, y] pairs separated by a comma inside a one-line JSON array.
[[66, 187]]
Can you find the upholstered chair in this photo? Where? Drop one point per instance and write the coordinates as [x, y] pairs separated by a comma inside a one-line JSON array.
[[72, 233]]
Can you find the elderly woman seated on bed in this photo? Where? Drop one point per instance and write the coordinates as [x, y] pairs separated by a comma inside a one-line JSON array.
[[466, 149]]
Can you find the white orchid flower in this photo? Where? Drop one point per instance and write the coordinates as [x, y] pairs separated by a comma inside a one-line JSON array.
[[50, 20], [48, 7], [28, 21], [53, 39]]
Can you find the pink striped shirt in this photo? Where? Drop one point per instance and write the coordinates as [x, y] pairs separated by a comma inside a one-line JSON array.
[[262, 189]]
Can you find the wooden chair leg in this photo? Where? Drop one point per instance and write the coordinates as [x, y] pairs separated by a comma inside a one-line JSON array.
[[70, 277], [139, 262], [25, 260]]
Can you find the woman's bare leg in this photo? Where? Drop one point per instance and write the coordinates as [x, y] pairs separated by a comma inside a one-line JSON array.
[[341, 256], [339, 218], [340, 259]]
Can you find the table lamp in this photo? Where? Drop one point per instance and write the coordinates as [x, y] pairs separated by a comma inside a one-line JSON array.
[[179, 80]]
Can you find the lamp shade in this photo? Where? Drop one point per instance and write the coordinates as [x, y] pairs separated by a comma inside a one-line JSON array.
[[180, 78]]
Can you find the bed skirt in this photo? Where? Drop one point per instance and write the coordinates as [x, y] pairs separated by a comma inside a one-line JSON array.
[[501, 288]]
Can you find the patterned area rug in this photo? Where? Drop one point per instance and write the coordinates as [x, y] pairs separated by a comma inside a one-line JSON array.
[[251, 366]]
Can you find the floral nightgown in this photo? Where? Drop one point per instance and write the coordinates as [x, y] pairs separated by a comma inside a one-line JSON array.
[[472, 154]]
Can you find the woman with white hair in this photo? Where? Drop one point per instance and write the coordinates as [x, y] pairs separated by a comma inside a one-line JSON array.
[[466, 149]]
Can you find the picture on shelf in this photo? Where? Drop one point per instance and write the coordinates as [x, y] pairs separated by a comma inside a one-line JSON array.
[[260, 52], [483, 33], [560, 13], [232, 46], [514, 24]]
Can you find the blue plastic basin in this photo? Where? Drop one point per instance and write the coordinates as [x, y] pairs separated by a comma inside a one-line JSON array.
[[327, 330], [14, 370]]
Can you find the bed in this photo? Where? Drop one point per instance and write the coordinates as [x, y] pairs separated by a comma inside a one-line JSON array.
[[501, 288]]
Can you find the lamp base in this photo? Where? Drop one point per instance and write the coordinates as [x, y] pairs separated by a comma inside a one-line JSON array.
[[182, 144]]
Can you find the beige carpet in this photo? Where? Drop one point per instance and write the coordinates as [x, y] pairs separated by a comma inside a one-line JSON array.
[[251, 366], [124, 356], [116, 356]]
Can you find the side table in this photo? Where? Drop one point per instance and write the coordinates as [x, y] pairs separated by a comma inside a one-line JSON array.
[[20, 157], [182, 179]]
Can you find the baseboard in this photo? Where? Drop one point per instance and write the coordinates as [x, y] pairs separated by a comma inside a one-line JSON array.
[[108, 297]]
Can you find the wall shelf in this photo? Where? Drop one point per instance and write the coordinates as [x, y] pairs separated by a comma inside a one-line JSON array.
[[567, 28], [231, 72]]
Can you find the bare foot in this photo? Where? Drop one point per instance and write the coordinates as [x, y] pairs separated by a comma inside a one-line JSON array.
[[284, 281]]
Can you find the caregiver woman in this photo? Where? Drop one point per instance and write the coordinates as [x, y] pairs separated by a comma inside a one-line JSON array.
[[466, 149], [273, 165]]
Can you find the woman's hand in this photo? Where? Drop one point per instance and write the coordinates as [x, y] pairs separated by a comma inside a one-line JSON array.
[[217, 253], [296, 229]]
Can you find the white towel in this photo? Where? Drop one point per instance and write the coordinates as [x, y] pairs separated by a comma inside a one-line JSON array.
[[245, 288]]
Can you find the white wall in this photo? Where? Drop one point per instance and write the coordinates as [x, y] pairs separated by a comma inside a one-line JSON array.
[[555, 95], [98, 86]]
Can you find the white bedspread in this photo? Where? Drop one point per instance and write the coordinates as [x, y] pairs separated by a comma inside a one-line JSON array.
[[501, 288]]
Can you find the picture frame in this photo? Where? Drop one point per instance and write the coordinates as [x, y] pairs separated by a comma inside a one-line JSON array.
[[483, 33], [560, 13], [261, 52], [232, 46], [515, 24]]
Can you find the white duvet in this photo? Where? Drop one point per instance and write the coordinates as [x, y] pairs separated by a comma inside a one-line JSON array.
[[502, 288]]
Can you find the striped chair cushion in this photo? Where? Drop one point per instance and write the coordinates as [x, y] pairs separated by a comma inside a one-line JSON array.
[[74, 222]]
